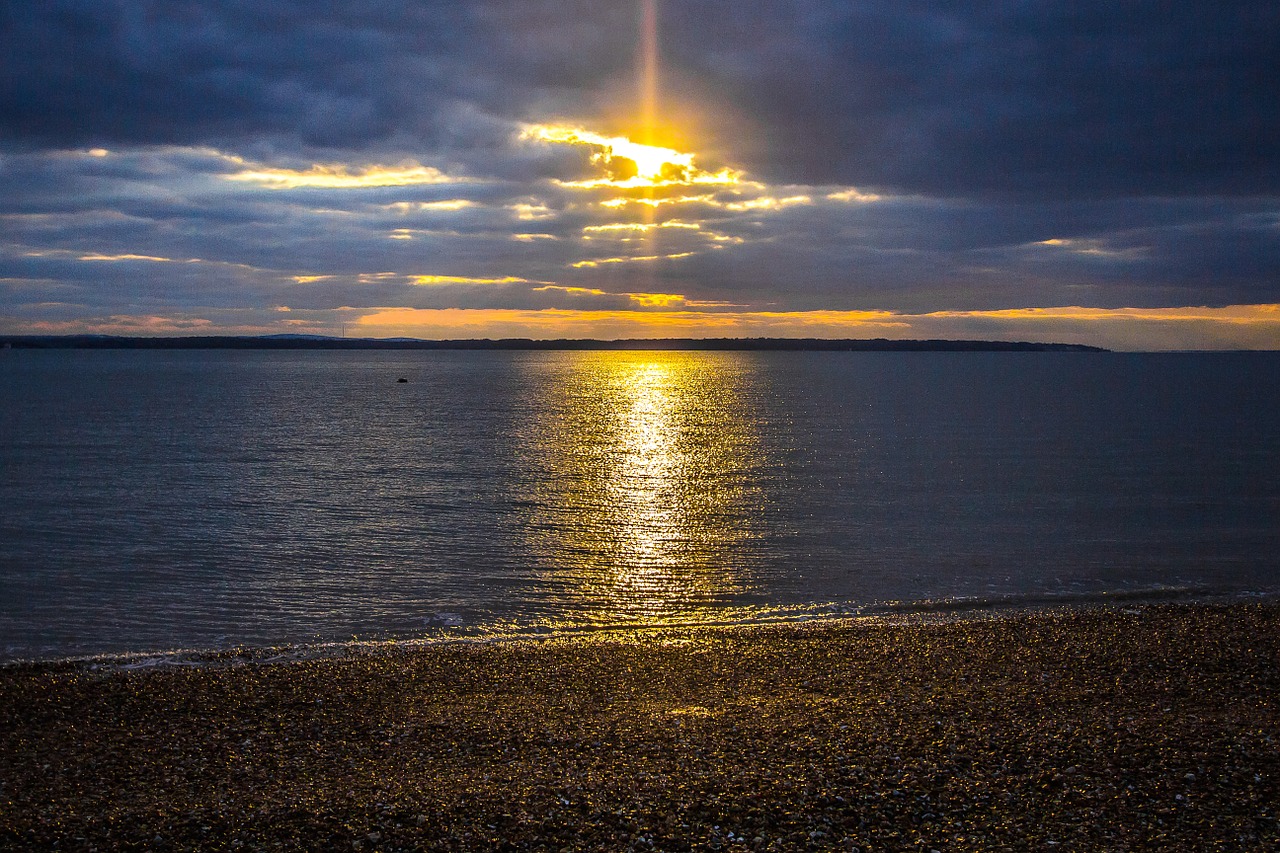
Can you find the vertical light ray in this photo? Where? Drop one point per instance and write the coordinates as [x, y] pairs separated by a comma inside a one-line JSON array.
[[649, 104], [648, 70]]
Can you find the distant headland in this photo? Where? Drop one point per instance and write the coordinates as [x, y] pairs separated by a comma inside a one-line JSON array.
[[321, 342]]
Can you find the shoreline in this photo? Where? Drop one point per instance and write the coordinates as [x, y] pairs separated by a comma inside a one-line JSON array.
[[1151, 725], [739, 344], [963, 608]]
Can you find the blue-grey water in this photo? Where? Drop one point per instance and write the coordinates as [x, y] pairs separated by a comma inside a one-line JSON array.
[[155, 500]]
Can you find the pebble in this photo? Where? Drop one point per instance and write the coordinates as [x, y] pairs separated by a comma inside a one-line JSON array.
[[923, 736]]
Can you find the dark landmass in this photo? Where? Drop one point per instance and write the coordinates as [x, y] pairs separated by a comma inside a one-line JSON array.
[[321, 342], [1150, 728]]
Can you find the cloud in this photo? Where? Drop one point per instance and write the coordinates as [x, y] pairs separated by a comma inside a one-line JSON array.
[[1241, 326], [629, 259], [199, 160], [427, 280], [341, 176], [1081, 99], [954, 99]]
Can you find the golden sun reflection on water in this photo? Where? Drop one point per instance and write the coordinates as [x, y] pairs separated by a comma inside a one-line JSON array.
[[647, 504]]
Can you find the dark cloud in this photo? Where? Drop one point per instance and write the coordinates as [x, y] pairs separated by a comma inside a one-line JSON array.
[[124, 71], [1024, 154], [1086, 98]]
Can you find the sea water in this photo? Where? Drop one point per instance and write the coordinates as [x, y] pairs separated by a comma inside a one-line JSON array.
[[157, 499]]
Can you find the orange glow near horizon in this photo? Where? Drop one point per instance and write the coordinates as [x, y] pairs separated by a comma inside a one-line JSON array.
[[666, 315], [561, 322], [1230, 327]]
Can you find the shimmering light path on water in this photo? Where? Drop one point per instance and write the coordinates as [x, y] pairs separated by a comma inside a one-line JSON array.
[[648, 499], [165, 499]]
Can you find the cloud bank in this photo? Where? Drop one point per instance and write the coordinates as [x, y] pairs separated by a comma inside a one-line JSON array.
[[1085, 172]]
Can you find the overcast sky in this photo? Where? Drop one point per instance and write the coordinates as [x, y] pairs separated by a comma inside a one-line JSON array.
[[1083, 171]]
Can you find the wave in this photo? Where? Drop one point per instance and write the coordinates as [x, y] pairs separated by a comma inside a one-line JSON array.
[[450, 628]]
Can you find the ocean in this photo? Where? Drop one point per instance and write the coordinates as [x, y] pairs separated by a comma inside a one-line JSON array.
[[204, 499]]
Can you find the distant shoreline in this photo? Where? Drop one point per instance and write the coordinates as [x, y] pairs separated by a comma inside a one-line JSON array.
[[313, 342]]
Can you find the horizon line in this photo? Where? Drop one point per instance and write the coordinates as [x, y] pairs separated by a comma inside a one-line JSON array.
[[309, 341]]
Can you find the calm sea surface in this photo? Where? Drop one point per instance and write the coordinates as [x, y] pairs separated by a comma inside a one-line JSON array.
[[155, 500]]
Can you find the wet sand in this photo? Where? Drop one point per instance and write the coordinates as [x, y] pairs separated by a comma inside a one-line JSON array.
[[1142, 728]]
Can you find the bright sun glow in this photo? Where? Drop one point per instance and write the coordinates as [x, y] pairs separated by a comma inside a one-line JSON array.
[[628, 164]]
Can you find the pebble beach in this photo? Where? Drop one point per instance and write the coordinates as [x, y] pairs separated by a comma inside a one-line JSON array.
[[1135, 728]]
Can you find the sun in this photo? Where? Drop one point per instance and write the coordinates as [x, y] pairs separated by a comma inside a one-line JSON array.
[[626, 164], [652, 162]]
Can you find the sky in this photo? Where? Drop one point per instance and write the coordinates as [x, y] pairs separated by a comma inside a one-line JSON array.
[[1088, 172]]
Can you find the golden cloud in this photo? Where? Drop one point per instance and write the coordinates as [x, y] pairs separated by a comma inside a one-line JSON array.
[[624, 164], [1237, 326], [343, 176], [590, 264]]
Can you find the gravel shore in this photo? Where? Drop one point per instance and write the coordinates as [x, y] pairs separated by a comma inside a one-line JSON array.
[[1106, 729]]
